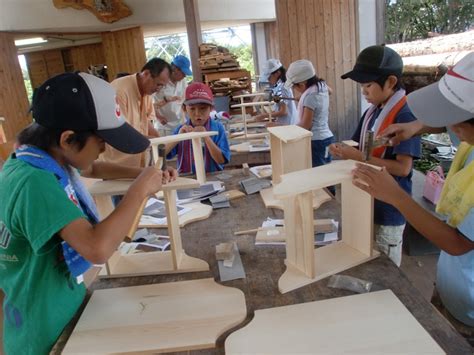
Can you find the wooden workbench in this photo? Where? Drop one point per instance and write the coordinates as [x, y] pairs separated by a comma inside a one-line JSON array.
[[264, 265]]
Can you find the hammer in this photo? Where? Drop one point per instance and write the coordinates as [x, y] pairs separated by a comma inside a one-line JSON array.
[[371, 143]]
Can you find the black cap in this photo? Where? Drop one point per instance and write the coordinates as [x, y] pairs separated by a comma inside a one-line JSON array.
[[83, 102], [375, 62]]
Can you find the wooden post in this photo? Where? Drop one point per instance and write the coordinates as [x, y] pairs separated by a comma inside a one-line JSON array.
[[199, 160], [13, 100], [299, 225], [193, 28], [173, 227]]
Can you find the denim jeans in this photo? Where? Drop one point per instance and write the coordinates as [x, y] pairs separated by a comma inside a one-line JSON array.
[[320, 151]]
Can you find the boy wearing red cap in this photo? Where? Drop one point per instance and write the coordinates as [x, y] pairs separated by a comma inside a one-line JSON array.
[[197, 107]]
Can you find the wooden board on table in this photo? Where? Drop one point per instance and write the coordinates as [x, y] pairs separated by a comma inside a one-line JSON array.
[[199, 211], [175, 316], [370, 323], [320, 196]]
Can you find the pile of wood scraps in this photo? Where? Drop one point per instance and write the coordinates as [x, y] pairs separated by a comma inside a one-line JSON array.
[[227, 85], [216, 58]]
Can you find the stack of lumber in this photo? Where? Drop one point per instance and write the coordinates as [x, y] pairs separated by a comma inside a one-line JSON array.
[[215, 58], [226, 85]]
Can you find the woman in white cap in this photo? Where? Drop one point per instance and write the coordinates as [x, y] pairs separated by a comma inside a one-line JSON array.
[[284, 111], [313, 107], [447, 103]]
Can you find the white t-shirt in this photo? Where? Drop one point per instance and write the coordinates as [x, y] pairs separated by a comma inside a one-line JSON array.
[[172, 111], [319, 103]]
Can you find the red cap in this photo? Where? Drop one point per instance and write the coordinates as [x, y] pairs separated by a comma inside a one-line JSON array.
[[198, 93]]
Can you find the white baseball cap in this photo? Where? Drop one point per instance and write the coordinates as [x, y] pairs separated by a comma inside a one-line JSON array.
[[269, 67], [299, 71], [448, 101]]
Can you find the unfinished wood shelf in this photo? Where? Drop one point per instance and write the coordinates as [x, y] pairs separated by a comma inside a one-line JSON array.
[[176, 316], [290, 149], [155, 263], [371, 323], [196, 141], [304, 264]]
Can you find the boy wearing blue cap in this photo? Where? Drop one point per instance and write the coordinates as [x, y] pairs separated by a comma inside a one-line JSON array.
[[169, 100]]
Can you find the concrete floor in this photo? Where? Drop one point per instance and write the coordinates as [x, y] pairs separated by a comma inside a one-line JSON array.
[[421, 271]]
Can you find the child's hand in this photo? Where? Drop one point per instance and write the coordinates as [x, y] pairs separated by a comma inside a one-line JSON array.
[[170, 174], [378, 183], [186, 129], [148, 182], [200, 129], [344, 151]]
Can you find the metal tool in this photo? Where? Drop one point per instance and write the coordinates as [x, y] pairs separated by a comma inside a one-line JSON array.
[[162, 155], [371, 143]]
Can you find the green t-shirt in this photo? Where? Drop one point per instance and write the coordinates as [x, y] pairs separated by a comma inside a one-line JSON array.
[[41, 296]]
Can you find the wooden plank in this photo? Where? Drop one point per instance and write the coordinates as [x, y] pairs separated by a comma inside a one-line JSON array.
[[181, 137], [298, 226], [124, 51], [283, 31], [316, 178], [166, 317], [352, 324], [294, 47], [120, 187], [199, 160], [338, 93], [320, 196], [193, 29], [320, 40], [308, 15], [13, 98], [301, 28]]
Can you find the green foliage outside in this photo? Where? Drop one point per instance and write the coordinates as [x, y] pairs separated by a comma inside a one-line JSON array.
[[243, 53], [26, 79], [408, 20]]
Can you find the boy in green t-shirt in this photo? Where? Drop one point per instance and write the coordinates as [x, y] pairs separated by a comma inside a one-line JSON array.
[[49, 229]]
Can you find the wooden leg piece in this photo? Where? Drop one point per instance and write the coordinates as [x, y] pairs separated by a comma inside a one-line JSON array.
[[199, 160]]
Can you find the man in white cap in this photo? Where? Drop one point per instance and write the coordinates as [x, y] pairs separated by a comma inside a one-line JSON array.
[[447, 103], [169, 100], [284, 111]]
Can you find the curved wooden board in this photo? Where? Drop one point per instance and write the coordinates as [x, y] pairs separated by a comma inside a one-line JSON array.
[[359, 324], [320, 196], [199, 211], [167, 317], [152, 263]]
